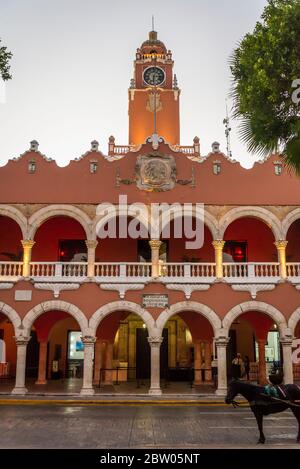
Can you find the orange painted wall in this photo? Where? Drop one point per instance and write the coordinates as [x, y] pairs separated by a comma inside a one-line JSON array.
[[141, 121], [11, 349]]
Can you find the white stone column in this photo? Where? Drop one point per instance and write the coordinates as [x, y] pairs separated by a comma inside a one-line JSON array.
[[21, 343], [155, 343], [91, 249], [155, 245], [221, 344], [87, 385], [288, 376]]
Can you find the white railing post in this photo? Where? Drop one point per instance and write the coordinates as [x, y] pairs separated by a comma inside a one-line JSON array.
[[123, 270], [58, 270], [251, 270], [187, 270]]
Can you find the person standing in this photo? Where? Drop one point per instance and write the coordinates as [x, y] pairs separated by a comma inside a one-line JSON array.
[[236, 369], [247, 367]]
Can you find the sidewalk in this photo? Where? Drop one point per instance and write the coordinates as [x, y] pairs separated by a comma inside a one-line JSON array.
[[67, 392]]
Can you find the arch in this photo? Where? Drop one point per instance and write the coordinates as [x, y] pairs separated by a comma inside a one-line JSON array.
[[17, 216], [38, 218], [253, 212], [293, 320], [260, 306], [200, 308], [289, 220], [129, 306], [12, 315], [56, 305], [107, 212], [173, 213]]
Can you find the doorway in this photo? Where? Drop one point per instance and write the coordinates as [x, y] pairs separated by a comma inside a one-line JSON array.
[[143, 355]]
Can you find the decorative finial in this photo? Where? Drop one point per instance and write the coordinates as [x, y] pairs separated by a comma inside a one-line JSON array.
[[94, 145], [132, 83], [175, 82], [34, 145], [215, 147], [153, 23]]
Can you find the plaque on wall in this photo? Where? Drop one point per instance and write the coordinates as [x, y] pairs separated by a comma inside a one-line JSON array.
[[155, 172], [155, 301]]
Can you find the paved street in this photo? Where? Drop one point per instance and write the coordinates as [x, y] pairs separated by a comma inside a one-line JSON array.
[[53, 426]]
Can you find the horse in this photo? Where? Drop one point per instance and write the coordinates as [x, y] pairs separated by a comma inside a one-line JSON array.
[[263, 404]]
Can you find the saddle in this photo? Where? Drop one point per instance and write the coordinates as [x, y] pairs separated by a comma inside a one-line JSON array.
[[276, 391]]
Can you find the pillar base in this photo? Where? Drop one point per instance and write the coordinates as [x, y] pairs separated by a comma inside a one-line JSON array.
[[87, 392], [221, 392], [155, 392], [19, 391], [41, 382]]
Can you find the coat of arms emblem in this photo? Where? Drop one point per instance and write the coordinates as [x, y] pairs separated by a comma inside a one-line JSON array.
[[155, 172]]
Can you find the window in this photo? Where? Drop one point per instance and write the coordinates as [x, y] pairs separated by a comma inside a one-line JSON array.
[[217, 167], [278, 168], [31, 166], [235, 251], [72, 250], [93, 167]]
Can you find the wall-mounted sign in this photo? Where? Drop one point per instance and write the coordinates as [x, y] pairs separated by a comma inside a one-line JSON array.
[[155, 301]]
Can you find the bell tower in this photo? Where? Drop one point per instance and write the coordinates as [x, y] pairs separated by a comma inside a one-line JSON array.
[[153, 94]]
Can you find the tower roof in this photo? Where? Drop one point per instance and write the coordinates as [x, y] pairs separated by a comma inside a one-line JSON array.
[[153, 44]]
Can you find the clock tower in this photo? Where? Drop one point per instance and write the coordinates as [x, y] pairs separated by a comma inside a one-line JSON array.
[[153, 94]]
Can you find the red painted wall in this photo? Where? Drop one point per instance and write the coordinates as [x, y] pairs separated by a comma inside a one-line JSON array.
[[260, 239], [48, 235], [10, 238]]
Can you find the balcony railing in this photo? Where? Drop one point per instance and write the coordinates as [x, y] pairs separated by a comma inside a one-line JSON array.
[[192, 271], [10, 270], [119, 271], [293, 269], [168, 272], [58, 270], [251, 271]]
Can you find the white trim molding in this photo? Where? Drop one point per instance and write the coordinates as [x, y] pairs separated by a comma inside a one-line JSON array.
[[258, 306], [12, 315], [122, 288], [6, 286], [55, 305], [56, 288], [253, 288], [200, 308], [260, 213], [121, 305], [187, 289]]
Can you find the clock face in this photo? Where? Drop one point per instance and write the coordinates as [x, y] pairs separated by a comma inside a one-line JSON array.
[[154, 76]]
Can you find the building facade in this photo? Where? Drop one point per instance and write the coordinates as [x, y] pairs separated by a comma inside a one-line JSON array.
[[78, 305]]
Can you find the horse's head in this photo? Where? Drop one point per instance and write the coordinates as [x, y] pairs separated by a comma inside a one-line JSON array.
[[231, 392]]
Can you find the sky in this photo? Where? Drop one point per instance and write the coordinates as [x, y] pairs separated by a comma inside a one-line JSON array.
[[73, 60]]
